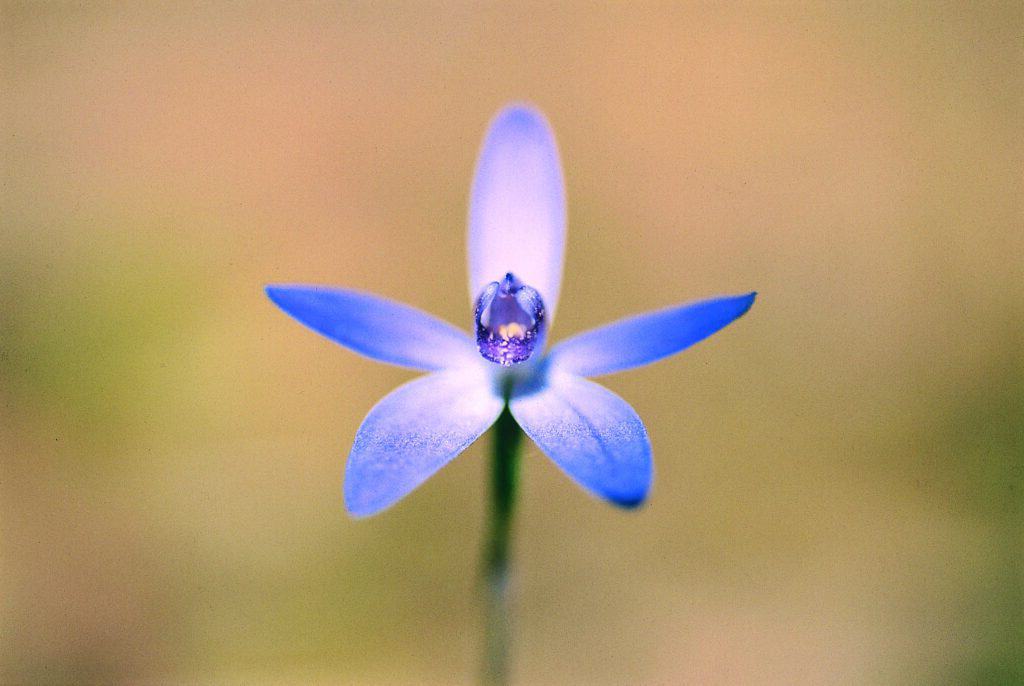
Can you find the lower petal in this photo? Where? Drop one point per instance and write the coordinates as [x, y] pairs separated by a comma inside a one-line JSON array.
[[592, 434], [413, 432]]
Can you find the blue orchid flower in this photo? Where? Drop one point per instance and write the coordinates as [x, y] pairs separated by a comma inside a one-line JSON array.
[[517, 221]]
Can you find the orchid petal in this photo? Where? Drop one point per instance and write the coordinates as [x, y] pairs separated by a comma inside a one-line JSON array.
[[414, 431], [592, 434], [517, 206], [646, 338], [381, 329]]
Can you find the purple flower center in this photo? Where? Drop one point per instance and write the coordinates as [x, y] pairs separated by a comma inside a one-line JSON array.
[[509, 321]]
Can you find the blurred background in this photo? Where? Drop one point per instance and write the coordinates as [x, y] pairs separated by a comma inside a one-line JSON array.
[[838, 497]]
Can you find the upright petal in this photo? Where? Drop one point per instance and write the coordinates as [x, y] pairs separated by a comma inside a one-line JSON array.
[[414, 431], [646, 338], [591, 433], [376, 327], [517, 206]]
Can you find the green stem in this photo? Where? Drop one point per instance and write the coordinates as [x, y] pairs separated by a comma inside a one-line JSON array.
[[507, 437]]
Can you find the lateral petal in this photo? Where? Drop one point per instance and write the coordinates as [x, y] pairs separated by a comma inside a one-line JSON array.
[[646, 338], [381, 329]]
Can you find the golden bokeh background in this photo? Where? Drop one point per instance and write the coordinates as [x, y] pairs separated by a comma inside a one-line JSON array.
[[839, 493]]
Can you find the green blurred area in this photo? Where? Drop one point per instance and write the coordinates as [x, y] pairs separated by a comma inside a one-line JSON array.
[[839, 475]]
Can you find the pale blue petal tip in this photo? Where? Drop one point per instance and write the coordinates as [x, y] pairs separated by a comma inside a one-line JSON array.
[[524, 119]]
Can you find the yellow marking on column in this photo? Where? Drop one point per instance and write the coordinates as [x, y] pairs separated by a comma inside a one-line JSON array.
[[513, 330]]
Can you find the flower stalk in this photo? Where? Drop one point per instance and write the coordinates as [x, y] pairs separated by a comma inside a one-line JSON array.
[[504, 477]]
